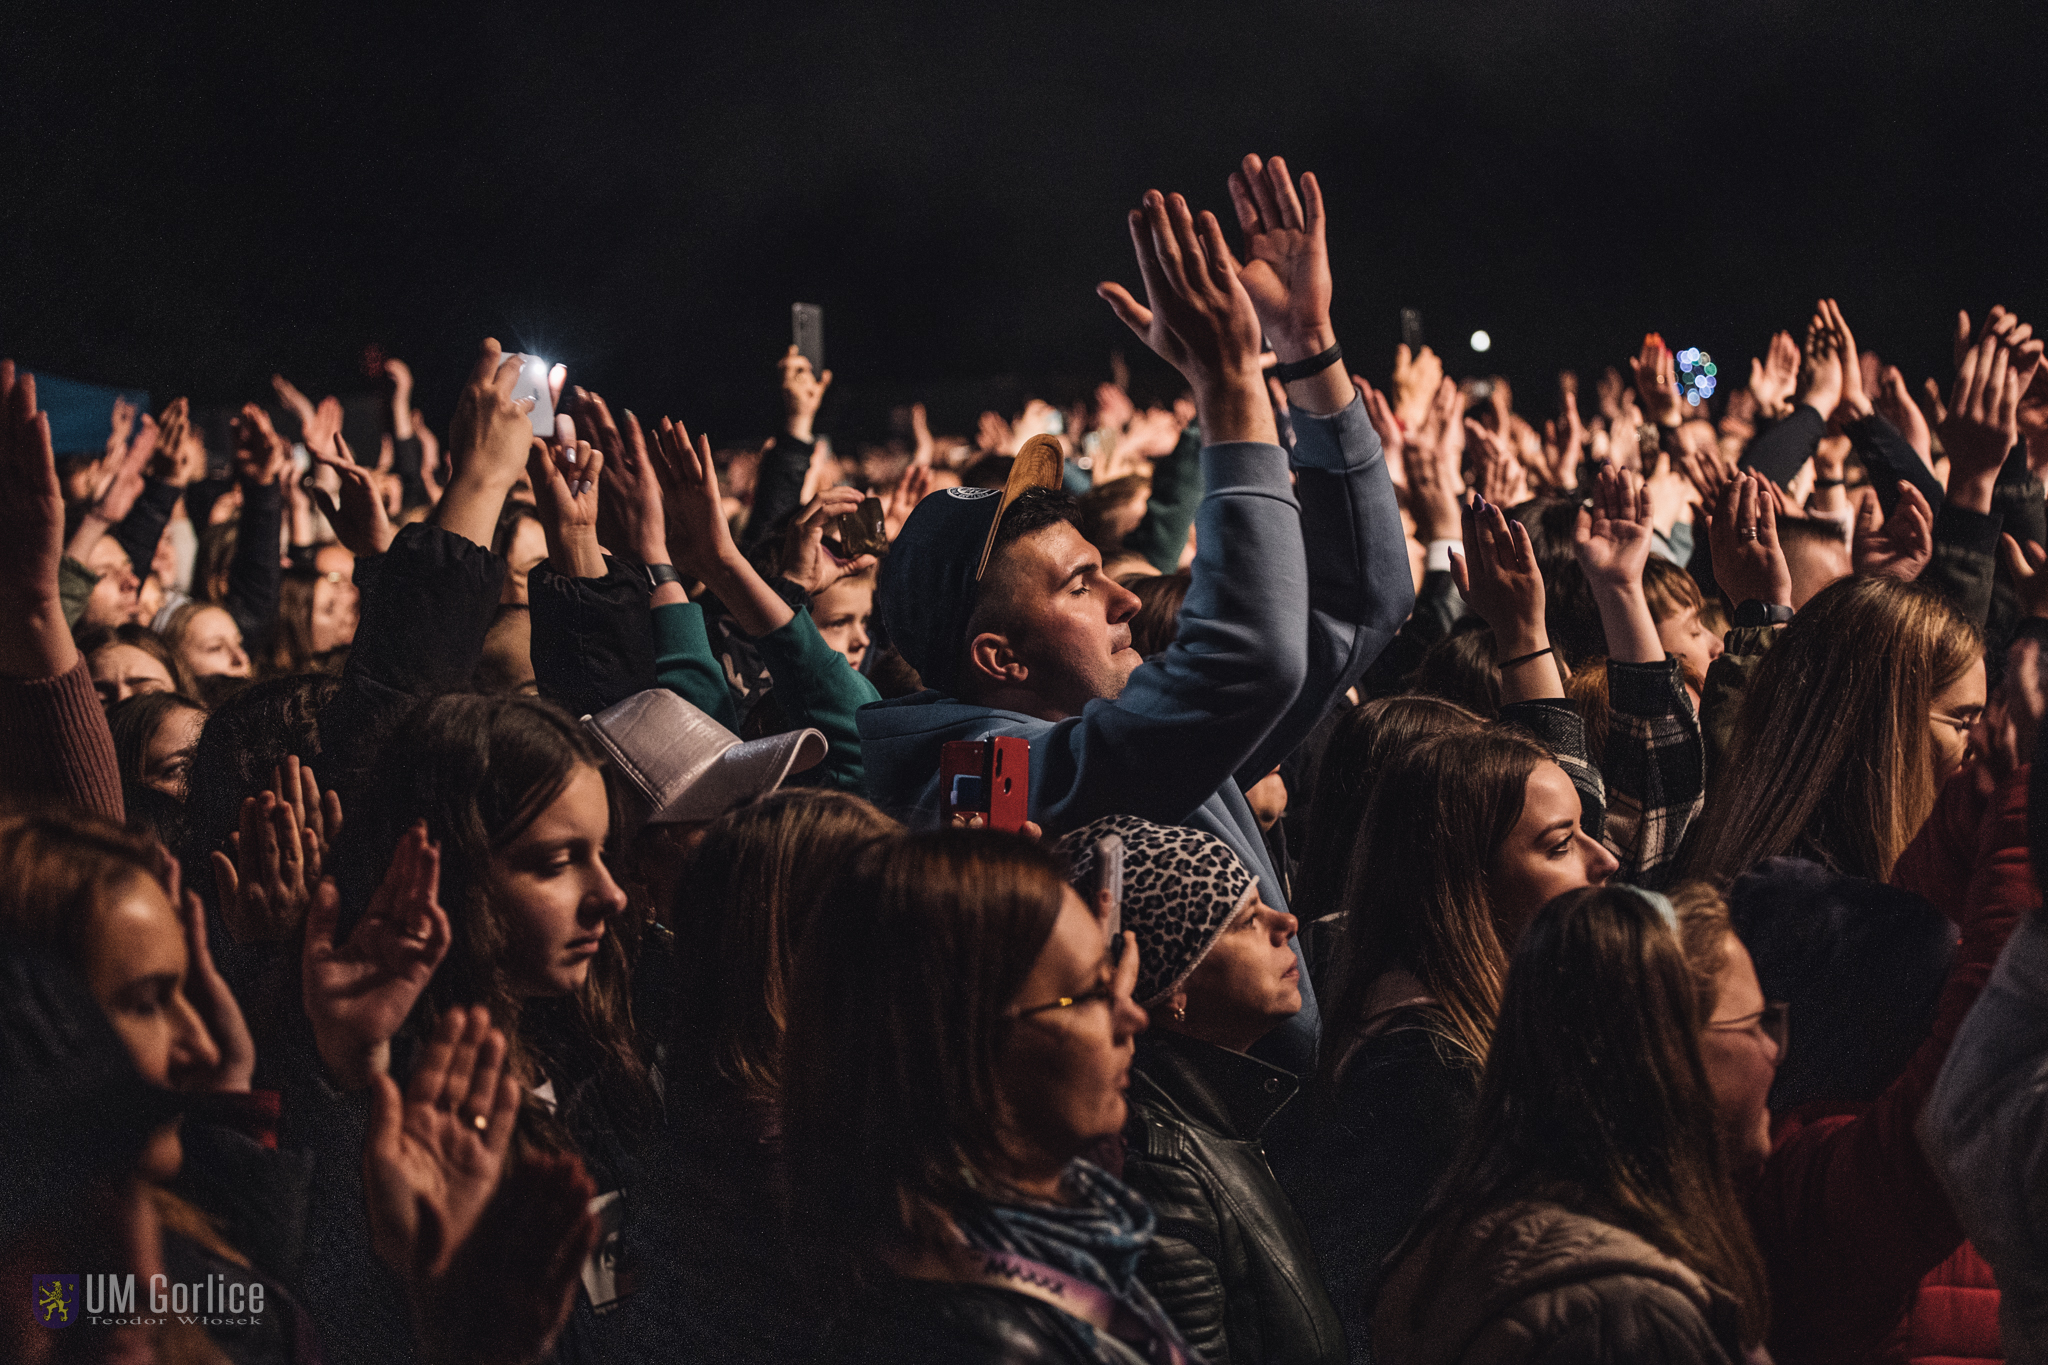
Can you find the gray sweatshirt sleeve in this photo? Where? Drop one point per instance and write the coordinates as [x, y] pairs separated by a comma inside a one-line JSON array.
[[1190, 718], [1360, 589]]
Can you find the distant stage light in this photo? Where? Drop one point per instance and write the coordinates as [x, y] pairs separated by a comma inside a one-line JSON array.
[[1481, 341]]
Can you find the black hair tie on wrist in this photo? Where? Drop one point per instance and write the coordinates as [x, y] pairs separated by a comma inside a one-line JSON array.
[[1524, 658], [1302, 369]]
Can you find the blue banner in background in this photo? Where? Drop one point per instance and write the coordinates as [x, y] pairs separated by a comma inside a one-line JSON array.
[[80, 414]]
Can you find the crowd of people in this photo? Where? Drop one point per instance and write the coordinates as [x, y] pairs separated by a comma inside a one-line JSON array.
[[1497, 883]]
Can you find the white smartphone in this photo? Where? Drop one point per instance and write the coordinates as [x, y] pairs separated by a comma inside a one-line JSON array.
[[533, 383]]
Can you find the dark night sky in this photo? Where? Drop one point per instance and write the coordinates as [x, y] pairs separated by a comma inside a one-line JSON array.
[[194, 198]]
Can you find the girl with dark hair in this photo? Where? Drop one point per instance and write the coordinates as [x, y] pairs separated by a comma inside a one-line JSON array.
[[510, 791], [156, 735], [1466, 836], [130, 659], [748, 889], [962, 1032], [1590, 1215], [108, 905], [1231, 1264], [316, 622]]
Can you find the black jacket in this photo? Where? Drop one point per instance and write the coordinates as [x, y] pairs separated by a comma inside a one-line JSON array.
[[927, 1322], [1359, 1161], [1231, 1264]]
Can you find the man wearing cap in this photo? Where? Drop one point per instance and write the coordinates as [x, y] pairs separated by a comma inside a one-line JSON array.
[[1300, 577]]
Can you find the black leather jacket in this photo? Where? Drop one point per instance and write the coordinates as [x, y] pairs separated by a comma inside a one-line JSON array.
[[1231, 1264], [924, 1322]]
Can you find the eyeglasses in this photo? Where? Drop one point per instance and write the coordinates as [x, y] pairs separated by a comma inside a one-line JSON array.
[[1774, 1021], [1067, 1002], [1961, 724]]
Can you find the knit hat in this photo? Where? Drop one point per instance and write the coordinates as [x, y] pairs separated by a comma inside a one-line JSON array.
[[932, 578], [1182, 888]]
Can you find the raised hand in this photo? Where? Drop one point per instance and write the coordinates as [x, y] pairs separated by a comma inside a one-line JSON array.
[[910, 490], [1772, 379], [1982, 424], [121, 425], [1416, 380], [209, 994], [1855, 402], [1612, 540], [1286, 270], [993, 434], [487, 446], [1613, 536], [509, 1290], [169, 464], [259, 451], [1656, 375], [1564, 440], [264, 889], [124, 479], [805, 560], [565, 480], [1895, 404], [1749, 564], [295, 402], [325, 426], [35, 642], [1501, 478], [2033, 420], [357, 994], [1899, 547], [1820, 366], [1393, 440], [803, 393], [699, 540], [359, 518], [400, 375], [1435, 486], [432, 1160], [1498, 576], [1197, 316], [1609, 389], [2029, 577]]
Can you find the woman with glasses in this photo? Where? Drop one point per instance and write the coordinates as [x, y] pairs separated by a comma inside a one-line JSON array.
[[1851, 1220], [1592, 1214], [960, 1033], [1231, 1263], [1847, 729]]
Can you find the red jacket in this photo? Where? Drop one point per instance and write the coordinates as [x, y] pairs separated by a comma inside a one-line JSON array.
[[1847, 1213]]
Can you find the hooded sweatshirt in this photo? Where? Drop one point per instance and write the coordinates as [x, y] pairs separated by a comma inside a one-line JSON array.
[[1300, 579]]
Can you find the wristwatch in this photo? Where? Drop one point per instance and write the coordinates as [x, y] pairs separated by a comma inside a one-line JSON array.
[[1754, 613], [658, 574]]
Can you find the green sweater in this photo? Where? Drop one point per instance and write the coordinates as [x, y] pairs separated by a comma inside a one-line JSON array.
[[814, 685]]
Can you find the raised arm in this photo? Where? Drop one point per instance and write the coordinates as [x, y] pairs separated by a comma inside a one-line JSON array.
[[1359, 586], [51, 726], [779, 486]]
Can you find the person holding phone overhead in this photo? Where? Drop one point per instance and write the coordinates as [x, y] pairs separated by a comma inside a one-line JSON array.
[[1300, 577]]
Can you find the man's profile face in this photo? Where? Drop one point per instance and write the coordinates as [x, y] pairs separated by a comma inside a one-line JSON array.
[[1068, 622]]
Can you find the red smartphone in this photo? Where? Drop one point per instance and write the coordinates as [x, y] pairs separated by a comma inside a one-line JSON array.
[[989, 778]]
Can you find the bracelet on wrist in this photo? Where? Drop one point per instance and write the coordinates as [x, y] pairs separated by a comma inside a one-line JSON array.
[[1315, 364], [658, 574], [1530, 657], [1829, 483]]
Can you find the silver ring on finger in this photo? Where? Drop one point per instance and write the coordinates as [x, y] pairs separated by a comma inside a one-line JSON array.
[[1746, 532]]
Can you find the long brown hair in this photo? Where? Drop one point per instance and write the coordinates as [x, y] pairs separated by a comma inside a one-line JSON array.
[[1417, 893], [891, 1099], [1830, 757], [1361, 745], [479, 770], [744, 897], [56, 869], [1595, 1097]]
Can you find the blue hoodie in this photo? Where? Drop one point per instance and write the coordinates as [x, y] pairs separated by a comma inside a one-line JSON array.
[[1299, 583]]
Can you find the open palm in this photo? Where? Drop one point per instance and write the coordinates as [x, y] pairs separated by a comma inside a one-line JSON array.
[[1287, 263], [358, 994], [1613, 537]]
